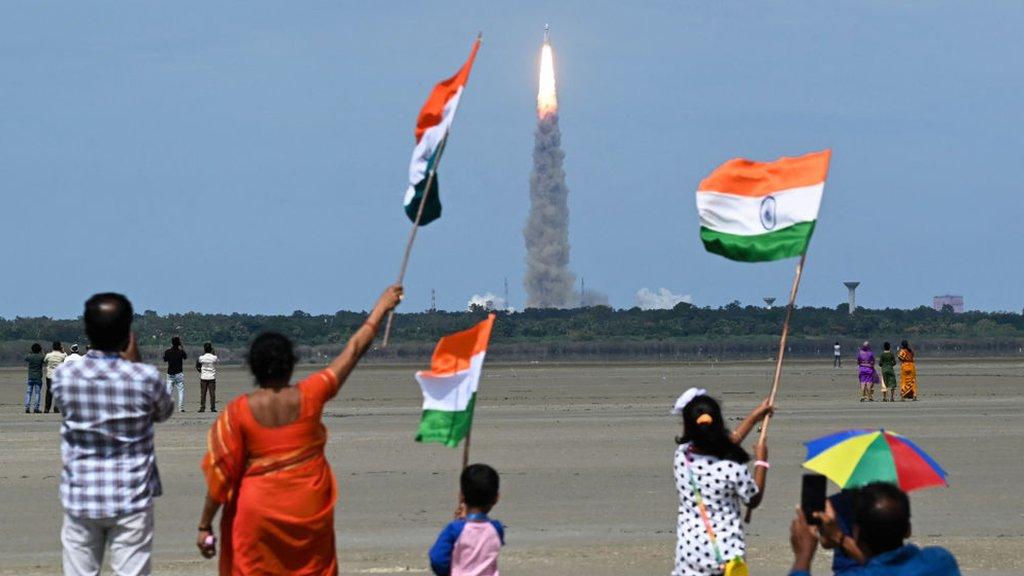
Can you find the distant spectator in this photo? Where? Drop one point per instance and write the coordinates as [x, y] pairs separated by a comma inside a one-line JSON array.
[[887, 362], [34, 384], [881, 523], [175, 357], [837, 360], [471, 543], [74, 355], [866, 372], [110, 477], [207, 367], [908, 372], [53, 359]]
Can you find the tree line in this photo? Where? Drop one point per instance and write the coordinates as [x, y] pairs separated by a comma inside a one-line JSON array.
[[598, 332]]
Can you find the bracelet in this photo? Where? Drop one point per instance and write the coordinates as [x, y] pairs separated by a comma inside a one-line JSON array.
[[763, 464], [207, 528]]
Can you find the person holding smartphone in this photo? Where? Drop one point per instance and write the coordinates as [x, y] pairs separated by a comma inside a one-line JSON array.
[[712, 479]]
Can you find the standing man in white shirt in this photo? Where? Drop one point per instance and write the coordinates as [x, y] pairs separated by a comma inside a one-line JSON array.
[[52, 360], [837, 362], [207, 366]]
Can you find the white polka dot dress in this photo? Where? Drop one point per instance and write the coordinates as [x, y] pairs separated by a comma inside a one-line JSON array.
[[724, 485]]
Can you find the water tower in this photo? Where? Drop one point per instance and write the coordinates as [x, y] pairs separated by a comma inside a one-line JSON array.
[[852, 287], [769, 301]]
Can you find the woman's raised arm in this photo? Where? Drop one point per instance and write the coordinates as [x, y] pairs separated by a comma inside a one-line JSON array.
[[360, 342]]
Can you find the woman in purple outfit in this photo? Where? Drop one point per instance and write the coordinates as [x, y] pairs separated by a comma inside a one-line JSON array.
[[866, 372]]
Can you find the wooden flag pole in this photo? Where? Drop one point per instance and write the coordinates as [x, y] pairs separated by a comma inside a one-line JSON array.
[[465, 448], [782, 343], [415, 228]]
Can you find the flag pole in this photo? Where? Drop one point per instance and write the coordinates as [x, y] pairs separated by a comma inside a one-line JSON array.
[[419, 215], [782, 343], [465, 447]]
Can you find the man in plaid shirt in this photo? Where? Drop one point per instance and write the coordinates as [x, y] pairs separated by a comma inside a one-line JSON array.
[[109, 402]]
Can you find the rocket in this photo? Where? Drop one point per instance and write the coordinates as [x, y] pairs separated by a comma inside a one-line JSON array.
[[547, 30]]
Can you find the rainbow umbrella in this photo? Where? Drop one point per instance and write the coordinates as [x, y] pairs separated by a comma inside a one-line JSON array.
[[857, 457]]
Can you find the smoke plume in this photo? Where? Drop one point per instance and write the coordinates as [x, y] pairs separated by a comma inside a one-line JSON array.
[[548, 281], [662, 299]]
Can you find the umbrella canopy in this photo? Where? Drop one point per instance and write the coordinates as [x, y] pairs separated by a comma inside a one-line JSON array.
[[854, 458]]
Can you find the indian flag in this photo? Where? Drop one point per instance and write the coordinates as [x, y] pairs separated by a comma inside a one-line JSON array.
[[760, 211], [432, 127], [449, 387]]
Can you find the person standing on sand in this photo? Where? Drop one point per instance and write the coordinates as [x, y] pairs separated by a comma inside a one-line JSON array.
[[110, 402], [837, 360], [34, 383], [266, 466], [74, 356], [866, 372], [908, 372], [712, 480], [175, 357], [887, 362], [53, 359], [207, 367]]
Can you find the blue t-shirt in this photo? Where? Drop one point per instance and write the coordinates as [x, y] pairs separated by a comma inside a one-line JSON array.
[[908, 560]]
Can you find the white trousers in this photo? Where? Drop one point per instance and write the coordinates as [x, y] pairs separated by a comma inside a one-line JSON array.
[[130, 538], [177, 382]]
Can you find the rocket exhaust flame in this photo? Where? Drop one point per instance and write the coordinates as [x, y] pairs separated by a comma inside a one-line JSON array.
[[547, 99]]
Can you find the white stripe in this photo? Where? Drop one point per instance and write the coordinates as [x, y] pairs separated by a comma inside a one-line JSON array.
[[742, 215], [428, 143], [451, 393]]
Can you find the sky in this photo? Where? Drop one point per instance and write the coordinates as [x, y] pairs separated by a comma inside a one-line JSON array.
[[252, 156]]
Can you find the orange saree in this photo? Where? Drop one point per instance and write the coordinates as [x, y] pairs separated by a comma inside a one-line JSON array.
[[908, 374], [276, 488]]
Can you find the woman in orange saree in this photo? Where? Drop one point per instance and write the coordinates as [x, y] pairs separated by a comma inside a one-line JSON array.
[[265, 462], [908, 372]]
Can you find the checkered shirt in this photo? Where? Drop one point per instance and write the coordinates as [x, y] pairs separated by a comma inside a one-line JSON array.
[[109, 406]]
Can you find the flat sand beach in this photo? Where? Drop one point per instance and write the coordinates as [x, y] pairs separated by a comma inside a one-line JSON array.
[[585, 454]]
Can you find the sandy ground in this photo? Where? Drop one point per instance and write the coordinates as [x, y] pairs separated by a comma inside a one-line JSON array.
[[585, 455]]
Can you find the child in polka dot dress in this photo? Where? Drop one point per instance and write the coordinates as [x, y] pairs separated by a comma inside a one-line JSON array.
[[711, 472]]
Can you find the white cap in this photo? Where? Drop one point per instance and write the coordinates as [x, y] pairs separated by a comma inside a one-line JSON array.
[[685, 399]]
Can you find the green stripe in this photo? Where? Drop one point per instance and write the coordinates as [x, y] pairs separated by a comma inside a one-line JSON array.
[[448, 428], [875, 465], [786, 243], [432, 208]]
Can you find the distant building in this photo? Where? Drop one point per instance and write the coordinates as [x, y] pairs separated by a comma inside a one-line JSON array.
[[956, 302]]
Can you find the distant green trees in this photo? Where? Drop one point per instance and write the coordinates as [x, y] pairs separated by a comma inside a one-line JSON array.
[[685, 331]]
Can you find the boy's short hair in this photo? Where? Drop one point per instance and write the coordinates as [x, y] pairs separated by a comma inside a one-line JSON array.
[[480, 485]]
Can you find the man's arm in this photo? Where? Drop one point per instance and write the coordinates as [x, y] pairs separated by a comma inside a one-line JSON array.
[[804, 542]]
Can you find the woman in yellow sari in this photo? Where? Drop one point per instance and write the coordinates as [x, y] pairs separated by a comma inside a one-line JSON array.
[[908, 372], [266, 467]]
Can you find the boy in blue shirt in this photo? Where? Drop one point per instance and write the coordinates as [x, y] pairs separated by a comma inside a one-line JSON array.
[[469, 545]]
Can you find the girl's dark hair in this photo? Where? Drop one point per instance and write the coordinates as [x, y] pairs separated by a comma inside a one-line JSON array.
[[886, 346], [906, 346], [710, 438], [176, 342], [208, 348], [271, 359], [36, 348]]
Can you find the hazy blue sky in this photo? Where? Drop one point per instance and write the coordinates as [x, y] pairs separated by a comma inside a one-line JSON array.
[[252, 156]]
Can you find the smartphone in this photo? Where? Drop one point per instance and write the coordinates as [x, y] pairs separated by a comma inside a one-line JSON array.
[[812, 496]]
